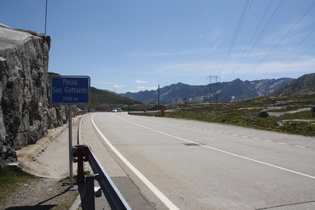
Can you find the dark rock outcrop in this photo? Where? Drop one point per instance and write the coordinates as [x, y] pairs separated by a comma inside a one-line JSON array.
[[25, 113]]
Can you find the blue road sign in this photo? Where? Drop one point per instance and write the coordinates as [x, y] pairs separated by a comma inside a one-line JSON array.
[[70, 89]]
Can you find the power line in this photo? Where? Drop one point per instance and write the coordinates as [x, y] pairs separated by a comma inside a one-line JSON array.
[[288, 32], [252, 37], [235, 34], [290, 52], [210, 93], [276, 11], [296, 58]]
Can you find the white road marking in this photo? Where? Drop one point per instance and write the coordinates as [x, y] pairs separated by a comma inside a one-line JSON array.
[[300, 146], [223, 151], [155, 190]]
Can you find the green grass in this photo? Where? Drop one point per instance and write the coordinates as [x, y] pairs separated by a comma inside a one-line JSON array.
[[11, 179], [99, 97], [251, 120], [245, 113]]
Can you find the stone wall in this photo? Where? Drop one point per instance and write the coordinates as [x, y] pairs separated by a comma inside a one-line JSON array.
[[25, 113]]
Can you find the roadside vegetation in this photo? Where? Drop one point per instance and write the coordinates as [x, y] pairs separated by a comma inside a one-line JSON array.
[[284, 114], [101, 97], [289, 114]]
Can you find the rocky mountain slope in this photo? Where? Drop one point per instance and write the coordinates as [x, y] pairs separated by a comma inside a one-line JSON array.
[[304, 84], [226, 91]]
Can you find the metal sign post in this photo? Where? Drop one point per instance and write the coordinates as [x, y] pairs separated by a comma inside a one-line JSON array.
[[70, 146], [70, 90]]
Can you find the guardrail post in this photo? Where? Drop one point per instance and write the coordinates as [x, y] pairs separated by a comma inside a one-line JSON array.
[[79, 153], [82, 153], [80, 176], [89, 193]]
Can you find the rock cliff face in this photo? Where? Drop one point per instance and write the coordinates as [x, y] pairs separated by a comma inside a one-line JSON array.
[[25, 113]]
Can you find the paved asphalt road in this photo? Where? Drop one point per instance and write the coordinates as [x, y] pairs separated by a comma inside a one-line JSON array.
[[170, 163]]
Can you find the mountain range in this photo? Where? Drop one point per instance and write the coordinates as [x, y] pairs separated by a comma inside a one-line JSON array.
[[226, 91], [222, 91]]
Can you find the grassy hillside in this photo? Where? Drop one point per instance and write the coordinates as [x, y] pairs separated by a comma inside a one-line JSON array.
[[99, 97], [291, 114], [287, 114]]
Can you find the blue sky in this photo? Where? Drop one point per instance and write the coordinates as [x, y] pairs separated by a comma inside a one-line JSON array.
[[140, 44]]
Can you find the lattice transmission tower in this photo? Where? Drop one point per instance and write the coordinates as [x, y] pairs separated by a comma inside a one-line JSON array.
[[211, 89]]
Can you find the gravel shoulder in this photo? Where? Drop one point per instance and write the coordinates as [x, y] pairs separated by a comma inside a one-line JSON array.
[[48, 160], [41, 193]]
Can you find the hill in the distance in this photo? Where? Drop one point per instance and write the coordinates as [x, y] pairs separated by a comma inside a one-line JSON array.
[[103, 97]]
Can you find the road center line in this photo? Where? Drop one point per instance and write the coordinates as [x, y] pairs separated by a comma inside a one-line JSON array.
[[222, 151], [155, 190]]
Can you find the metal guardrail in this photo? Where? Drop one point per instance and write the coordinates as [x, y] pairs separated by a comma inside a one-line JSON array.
[[144, 113], [157, 113], [83, 153]]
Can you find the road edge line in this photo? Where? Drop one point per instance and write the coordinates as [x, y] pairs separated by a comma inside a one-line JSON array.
[[154, 189]]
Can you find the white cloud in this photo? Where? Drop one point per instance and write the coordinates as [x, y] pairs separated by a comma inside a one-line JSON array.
[[289, 33], [107, 83], [216, 34], [146, 88], [174, 53], [132, 91], [189, 67], [141, 82], [214, 48], [253, 70], [119, 86]]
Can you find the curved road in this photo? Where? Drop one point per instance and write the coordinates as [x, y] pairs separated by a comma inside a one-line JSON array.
[[168, 163]]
